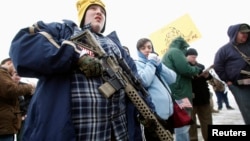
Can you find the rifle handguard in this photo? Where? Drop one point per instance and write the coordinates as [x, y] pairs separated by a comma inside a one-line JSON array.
[[118, 74]]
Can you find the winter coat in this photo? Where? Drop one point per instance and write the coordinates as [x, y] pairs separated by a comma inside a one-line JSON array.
[[10, 114], [228, 62], [201, 89], [175, 59], [49, 116], [160, 95]]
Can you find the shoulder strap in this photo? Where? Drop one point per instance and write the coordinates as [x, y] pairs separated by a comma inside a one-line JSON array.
[[159, 77], [247, 59]]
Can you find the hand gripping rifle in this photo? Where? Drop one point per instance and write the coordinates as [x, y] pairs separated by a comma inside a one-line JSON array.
[[117, 75]]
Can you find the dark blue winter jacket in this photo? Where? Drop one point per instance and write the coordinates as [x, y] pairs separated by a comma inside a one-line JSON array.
[[228, 62], [49, 113]]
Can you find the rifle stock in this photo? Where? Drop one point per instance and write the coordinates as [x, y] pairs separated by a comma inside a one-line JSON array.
[[117, 75]]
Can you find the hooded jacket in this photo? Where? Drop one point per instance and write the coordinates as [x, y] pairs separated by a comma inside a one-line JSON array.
[[49, 116], [176, 60], [160, 95], [228, 62]]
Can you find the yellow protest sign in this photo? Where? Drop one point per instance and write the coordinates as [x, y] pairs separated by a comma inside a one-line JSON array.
[[183, 27]]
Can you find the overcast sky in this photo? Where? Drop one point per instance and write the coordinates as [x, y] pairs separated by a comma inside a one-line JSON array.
[[133, 19]]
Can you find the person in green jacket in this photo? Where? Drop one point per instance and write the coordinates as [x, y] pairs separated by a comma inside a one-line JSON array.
[[175, 59]]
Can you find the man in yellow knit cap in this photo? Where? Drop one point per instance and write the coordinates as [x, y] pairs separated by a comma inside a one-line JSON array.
[[67, 105], [83, 5]]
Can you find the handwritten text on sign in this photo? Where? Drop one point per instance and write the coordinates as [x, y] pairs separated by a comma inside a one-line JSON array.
[[183, 27]]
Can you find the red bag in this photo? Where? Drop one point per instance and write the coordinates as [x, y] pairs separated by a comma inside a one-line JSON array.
[[180, 117]]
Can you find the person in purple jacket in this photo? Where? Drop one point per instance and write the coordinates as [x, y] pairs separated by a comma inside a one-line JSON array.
[[229, 65]]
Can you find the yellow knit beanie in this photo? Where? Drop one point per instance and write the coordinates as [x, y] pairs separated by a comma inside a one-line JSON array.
[[82, 6]]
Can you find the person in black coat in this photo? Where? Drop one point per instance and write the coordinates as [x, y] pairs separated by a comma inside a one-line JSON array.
[[201, 99]]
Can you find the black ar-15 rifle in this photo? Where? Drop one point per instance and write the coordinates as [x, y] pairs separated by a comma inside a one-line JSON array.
[[117, 75]]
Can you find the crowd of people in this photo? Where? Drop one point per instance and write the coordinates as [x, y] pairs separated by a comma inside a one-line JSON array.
[[81, 92]]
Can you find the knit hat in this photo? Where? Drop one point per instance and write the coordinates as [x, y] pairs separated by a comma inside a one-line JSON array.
[[82, 6], [191, 51], [244, 28]]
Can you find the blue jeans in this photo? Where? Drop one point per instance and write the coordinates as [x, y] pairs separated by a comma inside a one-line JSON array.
[[242, 97], [222, 97], [7, 137], [182, 133]]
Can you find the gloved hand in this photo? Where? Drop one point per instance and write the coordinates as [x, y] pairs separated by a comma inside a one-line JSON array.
[[147, 123], [90, 66], [153, 58]]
